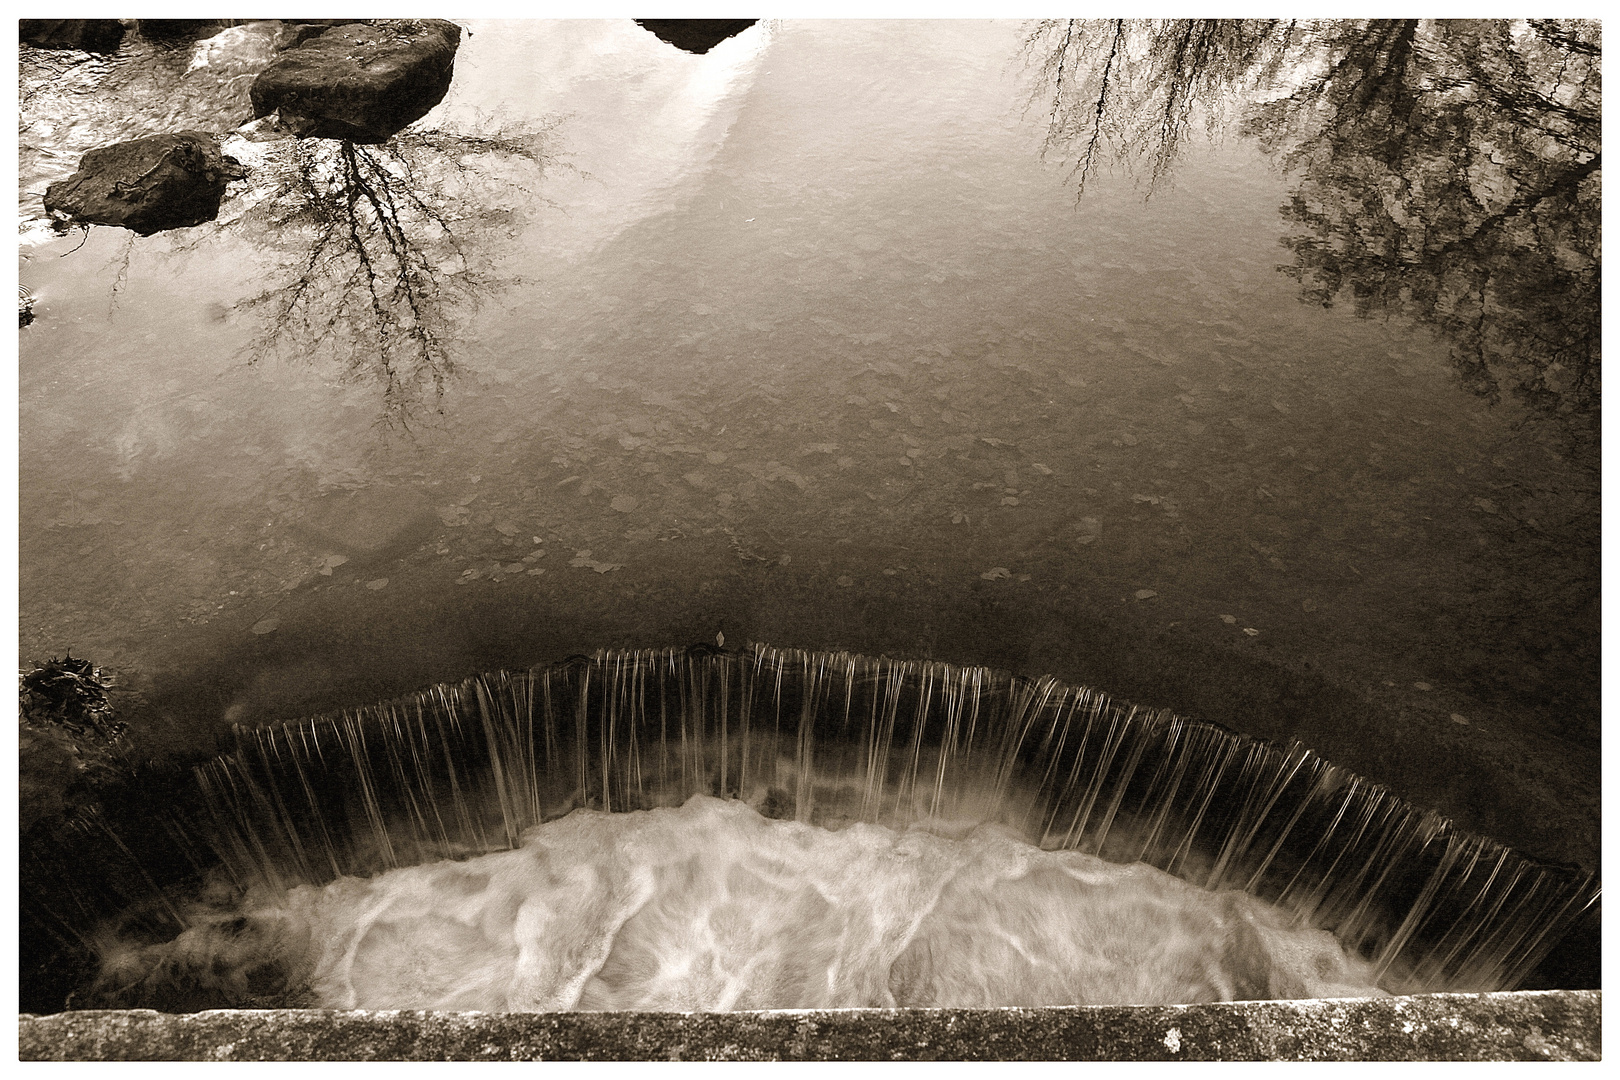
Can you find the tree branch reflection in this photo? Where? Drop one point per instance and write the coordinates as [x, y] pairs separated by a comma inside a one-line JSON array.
[[383, 248], [1447, 171], [1131, 91]]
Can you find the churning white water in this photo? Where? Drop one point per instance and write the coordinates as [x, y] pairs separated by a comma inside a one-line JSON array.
[[712, 907]]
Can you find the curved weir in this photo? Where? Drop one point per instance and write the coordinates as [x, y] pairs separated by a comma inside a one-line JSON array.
[[838, 744]]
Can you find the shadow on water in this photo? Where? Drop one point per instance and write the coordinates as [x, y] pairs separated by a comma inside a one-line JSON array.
[[1444, 171]]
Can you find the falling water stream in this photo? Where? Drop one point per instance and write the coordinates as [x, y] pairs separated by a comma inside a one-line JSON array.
[[694, 829]]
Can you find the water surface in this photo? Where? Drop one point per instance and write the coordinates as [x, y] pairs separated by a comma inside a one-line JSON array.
[[803, 341]]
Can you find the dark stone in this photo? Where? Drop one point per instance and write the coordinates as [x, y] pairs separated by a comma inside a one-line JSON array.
[[181, 30], [362, 82], [168, 181], [1522, 1026], [295, 32], [695, 35], [91, 35]]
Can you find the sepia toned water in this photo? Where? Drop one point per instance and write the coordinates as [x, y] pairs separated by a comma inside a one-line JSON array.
[[799, 340], [615, 832], [804, 310], [711, 907]]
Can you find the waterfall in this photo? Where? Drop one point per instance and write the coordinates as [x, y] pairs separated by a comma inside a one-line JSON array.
[[832, 739]]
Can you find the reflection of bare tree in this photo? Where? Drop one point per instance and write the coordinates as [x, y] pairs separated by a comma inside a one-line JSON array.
[[1131, 90], [379, 247], [1447, 171]]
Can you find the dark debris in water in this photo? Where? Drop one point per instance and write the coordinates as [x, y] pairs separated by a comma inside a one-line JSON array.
[[72, 694], [70, 743]]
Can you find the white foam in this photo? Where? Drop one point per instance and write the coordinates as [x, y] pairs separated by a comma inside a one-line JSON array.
[[713, 907]]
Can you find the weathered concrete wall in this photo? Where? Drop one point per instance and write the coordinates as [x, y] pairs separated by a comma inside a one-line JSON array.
[[1561, 1025]]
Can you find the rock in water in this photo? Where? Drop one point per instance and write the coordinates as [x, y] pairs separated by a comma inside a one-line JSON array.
[[695, 35], [176, 31], [146, 185], [91, 35], [294, 32], [360, 82]]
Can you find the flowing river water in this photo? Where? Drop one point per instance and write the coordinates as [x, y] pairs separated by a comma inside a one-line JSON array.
[[803, 341]]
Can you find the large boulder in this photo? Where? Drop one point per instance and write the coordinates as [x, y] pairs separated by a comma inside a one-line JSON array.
[[695, 35], [168, 181], [361, 82], [91, 35]]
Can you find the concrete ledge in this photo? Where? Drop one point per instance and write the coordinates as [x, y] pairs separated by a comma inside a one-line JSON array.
[[1557, 1025]]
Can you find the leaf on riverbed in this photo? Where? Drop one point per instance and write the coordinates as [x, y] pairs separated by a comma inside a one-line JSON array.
[[376, 583], [267, 624], [996, 573], [1146, 594], [582, 558]]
